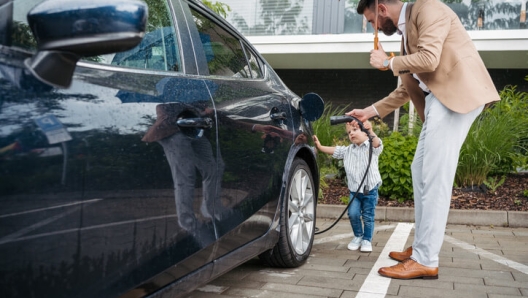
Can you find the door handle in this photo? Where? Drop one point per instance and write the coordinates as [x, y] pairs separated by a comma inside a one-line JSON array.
[[278, 116], [195, 122]]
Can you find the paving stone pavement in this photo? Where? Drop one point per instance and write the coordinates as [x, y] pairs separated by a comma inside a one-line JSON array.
[[475, 261]]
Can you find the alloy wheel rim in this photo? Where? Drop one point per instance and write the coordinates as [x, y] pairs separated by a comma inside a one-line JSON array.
[[301, 211]]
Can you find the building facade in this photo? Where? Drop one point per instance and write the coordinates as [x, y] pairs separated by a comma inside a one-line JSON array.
[[323, 46]]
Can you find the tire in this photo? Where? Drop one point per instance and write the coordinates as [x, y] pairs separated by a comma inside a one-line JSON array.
[[297, 220]]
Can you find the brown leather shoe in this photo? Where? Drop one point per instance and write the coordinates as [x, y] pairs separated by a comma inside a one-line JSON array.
[[409, 269], [400, 256]]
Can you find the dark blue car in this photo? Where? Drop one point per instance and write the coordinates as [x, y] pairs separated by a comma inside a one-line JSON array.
[[146, 148]]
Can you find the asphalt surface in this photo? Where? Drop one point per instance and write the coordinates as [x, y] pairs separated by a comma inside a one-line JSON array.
[[478, 259]]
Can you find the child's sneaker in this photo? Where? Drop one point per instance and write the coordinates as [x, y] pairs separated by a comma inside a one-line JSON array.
[[366, 246], [355, 243]]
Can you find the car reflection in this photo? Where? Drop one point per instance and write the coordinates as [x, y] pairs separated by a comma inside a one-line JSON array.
[[187, 151]]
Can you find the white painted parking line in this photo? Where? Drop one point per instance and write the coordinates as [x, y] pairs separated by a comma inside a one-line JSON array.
[[15, 235], [486, 254], [49, 208], [348, 235], [212, 289], [75, 230], [375, 286]]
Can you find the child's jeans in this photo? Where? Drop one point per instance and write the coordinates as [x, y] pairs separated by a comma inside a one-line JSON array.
[[363, 206]]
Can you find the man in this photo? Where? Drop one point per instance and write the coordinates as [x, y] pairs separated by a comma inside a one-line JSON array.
[[443, 74]]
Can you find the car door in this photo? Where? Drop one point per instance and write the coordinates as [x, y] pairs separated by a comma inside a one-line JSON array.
[[104, 184], [255, 131]]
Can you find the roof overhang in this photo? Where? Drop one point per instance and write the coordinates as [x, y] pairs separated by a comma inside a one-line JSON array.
[[498, 49]]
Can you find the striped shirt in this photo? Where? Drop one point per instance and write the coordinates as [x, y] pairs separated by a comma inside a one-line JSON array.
[[355, 159]]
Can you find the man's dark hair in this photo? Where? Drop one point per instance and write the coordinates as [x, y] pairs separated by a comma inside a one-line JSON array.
[[364, 4]]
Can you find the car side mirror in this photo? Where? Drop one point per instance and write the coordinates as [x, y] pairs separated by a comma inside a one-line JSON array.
[[66, 31], [312, 106]]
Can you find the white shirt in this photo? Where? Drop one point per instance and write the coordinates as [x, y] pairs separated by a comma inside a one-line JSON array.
[[355, 160], [401, 30]]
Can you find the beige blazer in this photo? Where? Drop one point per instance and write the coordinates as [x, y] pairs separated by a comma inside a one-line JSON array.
[[444, 57]]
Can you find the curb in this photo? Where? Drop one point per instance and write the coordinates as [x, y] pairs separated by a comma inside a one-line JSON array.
[[513, 219]]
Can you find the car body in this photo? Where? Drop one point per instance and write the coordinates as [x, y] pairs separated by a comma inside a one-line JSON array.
[[145, 149]]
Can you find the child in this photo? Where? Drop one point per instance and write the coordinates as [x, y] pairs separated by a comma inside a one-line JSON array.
[[355, 159]]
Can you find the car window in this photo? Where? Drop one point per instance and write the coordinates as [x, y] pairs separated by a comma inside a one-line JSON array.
[[159, 48], [223, 51], [255, 64]]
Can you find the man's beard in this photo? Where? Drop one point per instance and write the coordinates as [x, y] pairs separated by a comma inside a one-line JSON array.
[[387, 26]]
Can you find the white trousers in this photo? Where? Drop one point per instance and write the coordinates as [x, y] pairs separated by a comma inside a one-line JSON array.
[[433, 173]]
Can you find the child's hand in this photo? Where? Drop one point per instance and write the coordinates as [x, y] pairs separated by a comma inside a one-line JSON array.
[[353, 124], [367, 125], [316, 141]]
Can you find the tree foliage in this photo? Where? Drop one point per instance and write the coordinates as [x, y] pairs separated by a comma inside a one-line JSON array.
[[219, 8]]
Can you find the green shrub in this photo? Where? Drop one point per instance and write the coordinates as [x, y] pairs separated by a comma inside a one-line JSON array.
[[323, 171], [497, 141], [492, 183], [381, 128], [395, 166], [344, 200]]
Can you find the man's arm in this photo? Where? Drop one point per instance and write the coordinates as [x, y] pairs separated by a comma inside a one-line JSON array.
[[384, 106], [391, 102]]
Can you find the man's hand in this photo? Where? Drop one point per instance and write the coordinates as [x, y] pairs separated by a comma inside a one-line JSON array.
[[377, 57], [362, 114]]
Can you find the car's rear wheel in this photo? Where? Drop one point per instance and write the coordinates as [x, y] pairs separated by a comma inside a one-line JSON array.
[[297, 219]]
